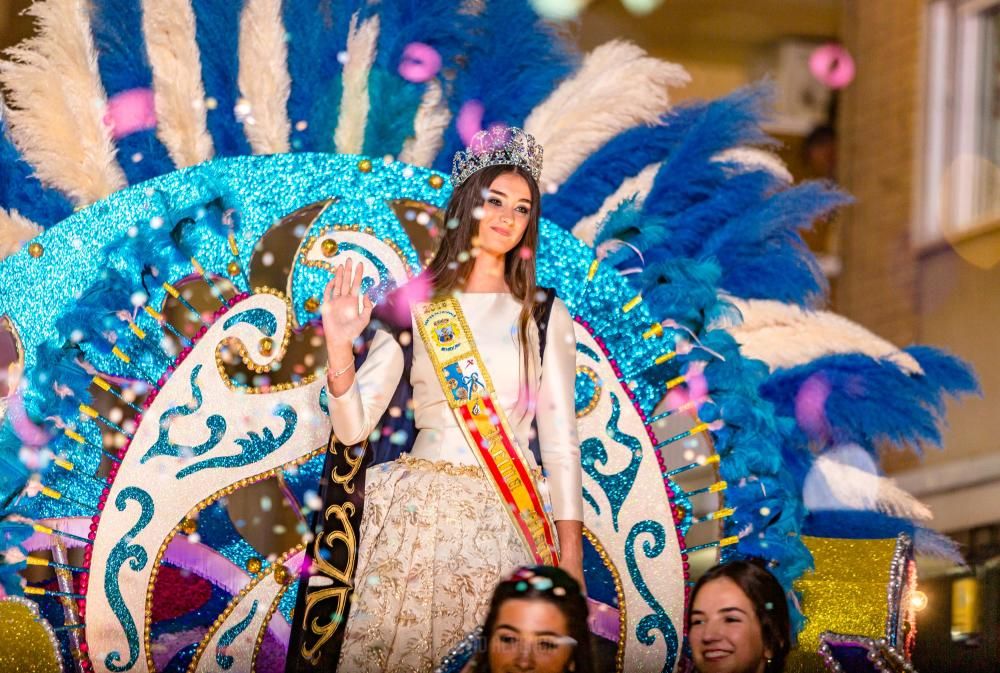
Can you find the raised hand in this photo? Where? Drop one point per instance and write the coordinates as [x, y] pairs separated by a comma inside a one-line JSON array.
[[345, 312]]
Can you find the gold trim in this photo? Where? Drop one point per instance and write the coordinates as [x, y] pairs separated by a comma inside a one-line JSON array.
[[237, 599], [354, 461], [619, 593], [442, 466], [221, 493], [451, 469], [468, 349], [242, 353], [262, 633], [525, 505], [302, 254], [598, 390], [344, 576]]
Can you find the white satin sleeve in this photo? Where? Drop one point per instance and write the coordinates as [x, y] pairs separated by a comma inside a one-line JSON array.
[[354, 414], [555, 417]]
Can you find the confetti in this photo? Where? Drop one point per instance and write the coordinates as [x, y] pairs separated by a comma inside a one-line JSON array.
[[419, 62], [558, 10], [832, 65], [641, 7], [130, 112], [469, 121]]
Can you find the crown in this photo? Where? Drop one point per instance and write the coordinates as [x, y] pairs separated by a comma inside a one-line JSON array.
[[498, 146]]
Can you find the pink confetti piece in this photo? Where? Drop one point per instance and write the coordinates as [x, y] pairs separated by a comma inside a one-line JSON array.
[[130, 112]]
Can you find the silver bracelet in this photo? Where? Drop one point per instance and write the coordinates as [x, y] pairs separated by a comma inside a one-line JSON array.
[[338, 374]]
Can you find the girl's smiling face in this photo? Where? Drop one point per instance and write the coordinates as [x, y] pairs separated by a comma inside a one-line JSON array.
[[724, 633], [506, 212]]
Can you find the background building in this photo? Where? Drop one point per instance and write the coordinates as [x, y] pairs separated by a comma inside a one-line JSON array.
[[916, 141]]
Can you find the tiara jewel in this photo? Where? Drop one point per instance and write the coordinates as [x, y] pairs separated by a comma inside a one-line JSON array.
[[498, 146]]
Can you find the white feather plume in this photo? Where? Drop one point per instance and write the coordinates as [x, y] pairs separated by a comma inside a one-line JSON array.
[[756, 158], [429, 125], [354, 103], [264, 80], [182, 120], [785, 335], [617, 87], [637, 186], [835, 485], [15, 230], [57, 104]]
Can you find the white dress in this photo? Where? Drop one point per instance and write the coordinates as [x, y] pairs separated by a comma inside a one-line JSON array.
[[435, 537]]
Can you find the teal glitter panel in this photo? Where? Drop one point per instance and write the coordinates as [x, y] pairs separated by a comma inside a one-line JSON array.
[[262, 191]]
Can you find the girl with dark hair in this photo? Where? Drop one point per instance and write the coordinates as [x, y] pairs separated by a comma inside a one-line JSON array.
[[445, 521], [537, 622], [738, 620]]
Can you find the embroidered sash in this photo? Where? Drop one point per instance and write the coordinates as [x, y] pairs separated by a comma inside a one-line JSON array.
[[469, 391]]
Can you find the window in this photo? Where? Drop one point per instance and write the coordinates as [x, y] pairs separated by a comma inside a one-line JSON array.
[[961, 172]]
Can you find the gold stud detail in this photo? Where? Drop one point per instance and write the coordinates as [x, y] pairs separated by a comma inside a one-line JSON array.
[[436, 181], [281, 574], [253, 565], [36, 250], [365, 166], [312, 303], [189, 526], [233, 269], [266, 346], [329, 247]]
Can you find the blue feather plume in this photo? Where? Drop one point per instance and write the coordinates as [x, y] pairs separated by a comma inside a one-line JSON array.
[[760, 250], [123, 65], [871, 401], [317, 33], [20, 190], [58, 365], [94, 318], [623, 156], [689, 175], [401, 23], [14, 534], [701, 208], [217, 32], [944, 374], [13, 474], [509, 82]]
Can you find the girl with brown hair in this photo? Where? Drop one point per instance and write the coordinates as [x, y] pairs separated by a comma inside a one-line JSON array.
[[444, 522]]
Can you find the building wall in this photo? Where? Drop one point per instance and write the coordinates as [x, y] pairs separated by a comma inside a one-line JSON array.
[[878, 133], [942, 296]]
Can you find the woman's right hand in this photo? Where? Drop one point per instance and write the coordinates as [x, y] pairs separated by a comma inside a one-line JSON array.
[[343, 323]]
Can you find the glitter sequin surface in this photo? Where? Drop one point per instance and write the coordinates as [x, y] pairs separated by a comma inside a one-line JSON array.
[[848, 591], [357, 219]]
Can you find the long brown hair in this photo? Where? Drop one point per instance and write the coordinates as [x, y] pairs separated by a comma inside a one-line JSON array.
[[447, 273]]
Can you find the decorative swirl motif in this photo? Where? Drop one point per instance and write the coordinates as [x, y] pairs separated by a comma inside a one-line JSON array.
[[260, 318], [344, 576], [346, 246], [324, 401], [591, 501], [658, 620], [226, 661], [163, 445], [615, 486], [136, 555], [588, 390], [254, 448], [588, 351]]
